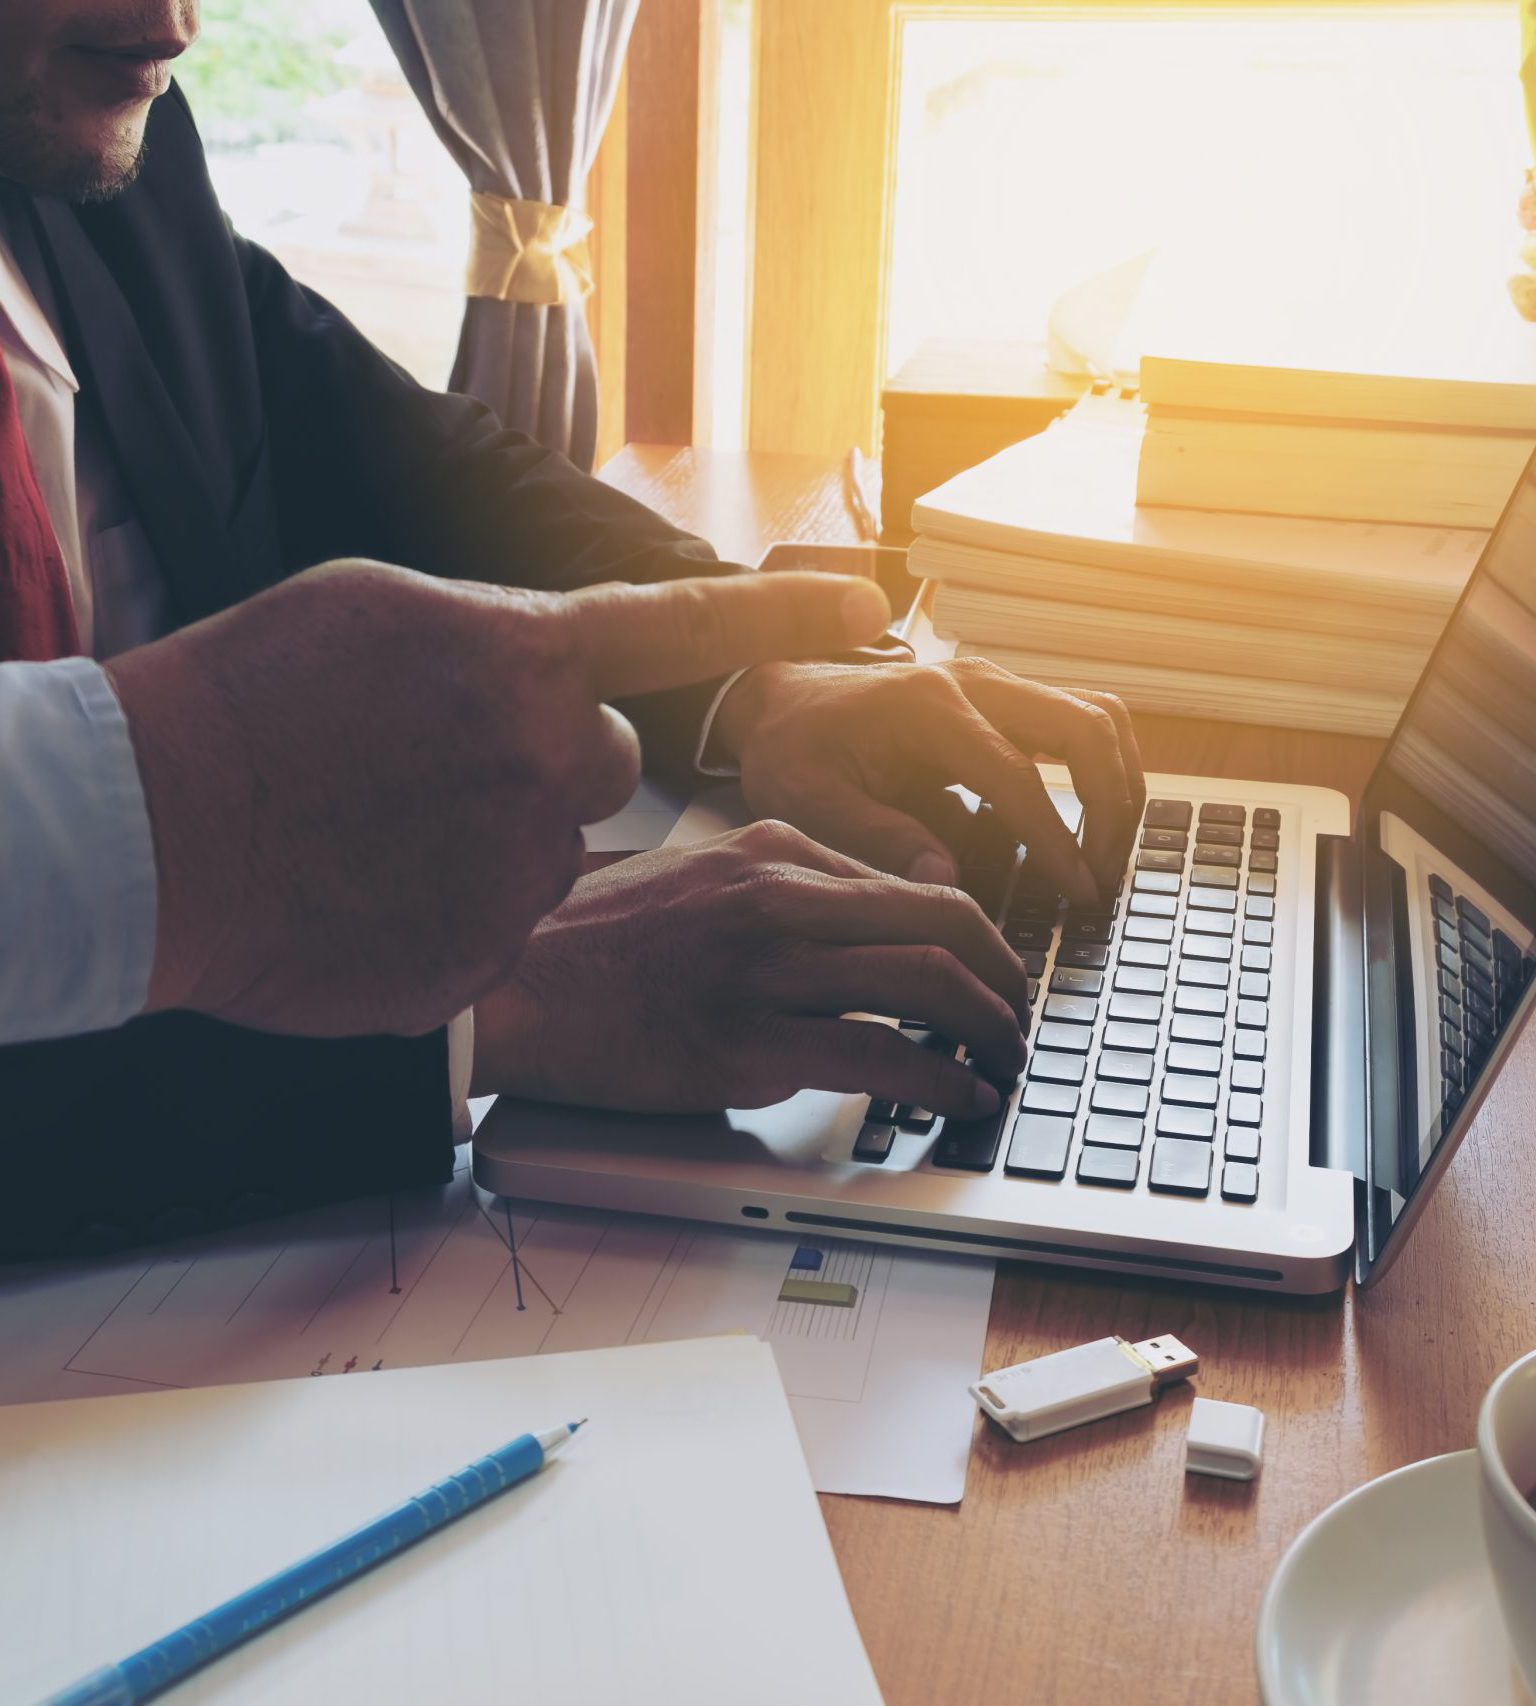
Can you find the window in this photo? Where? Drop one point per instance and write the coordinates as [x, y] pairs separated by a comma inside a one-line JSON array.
[[320, 152], [947, 167], [1324, 167]]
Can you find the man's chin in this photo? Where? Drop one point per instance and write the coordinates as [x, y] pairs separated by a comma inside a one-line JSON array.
[[50, 164]]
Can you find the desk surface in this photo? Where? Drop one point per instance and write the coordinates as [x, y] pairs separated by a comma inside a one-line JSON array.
[[1087, 1565]]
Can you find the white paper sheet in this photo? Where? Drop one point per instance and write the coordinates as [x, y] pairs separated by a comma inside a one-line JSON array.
[[878, 1390], [674, 1552]]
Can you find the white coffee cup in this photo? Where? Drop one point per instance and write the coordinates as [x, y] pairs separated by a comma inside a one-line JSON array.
[[1506, 1454]]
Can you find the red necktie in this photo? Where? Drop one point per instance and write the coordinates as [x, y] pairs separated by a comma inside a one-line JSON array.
[[37, 615]]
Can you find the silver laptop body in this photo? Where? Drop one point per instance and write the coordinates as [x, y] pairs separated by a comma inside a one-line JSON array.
[[1289, 1032]]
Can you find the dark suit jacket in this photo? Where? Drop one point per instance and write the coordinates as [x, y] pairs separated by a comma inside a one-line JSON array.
[[258, 433]]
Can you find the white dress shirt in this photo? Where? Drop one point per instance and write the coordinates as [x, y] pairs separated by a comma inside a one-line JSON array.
[[78, 895]]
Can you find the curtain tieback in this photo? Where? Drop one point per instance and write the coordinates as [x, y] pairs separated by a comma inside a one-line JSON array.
[[527, 251]]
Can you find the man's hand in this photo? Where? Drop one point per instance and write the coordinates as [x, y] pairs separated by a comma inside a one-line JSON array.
[[719, 975], [366, 786], [860, 756]]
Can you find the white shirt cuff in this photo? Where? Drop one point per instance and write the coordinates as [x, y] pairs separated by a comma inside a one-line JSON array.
[[78, 899], [461, 1066], [725, 771]]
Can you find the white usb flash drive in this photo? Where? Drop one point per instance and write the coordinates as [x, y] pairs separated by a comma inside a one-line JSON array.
[[1068, 1388]]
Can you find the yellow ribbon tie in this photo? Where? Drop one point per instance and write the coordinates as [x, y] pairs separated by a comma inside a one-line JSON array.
[[527, 251]]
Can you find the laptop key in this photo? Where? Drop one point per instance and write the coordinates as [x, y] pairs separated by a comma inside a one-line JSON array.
[[1154, 859], [882, 1112], [1038, 1147], [1188, 1091], [1249, 1045], [1256, 959], [1181, 1167], [1168, 814], [1253, 986], [1213, 877], [1259, 906], [1075, 980], [1117, 1131], [1260, 883], [1071, 1009], [1149, 930], [1138, 1009], [1138, 1039], [1087, 927], [919, 1120], [1153, 906], [1244, 1108], [1096, 1166], [1091, 956], [1213, 974], [1265, 840], [1215, 812], [1110, 1097], [1041, 1096], [1258, 932], [1022, 937], [1240, 1181], [1213, 900], [1070, 1039], [1176, 1121], [874, 1142], [1247, 1075], [1127, 1068], [1140, 980], [1262, 861], [1033, 962], [1193, 999], [1473, 914], [1195, 1057], [1206, 948], [1154, 954], [1242, 1143], [1057, 1068], [1156, 882], [1254, 1015], [1206, 855], [1220, 834], [1265, 817], [973, 1144], [1202, 923], [1199, 1029], [1165, 840]]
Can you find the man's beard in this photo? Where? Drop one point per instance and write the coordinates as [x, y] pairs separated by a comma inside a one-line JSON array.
[[46, 165]]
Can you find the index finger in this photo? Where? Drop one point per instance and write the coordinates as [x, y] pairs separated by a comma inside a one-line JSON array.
[[1087, 738], [643, 639]]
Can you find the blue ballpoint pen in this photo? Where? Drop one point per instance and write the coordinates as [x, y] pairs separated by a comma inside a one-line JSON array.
[[144, 1674]]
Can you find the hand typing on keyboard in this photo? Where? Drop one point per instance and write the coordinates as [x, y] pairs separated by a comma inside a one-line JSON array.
[[860, 757], [719, 975]]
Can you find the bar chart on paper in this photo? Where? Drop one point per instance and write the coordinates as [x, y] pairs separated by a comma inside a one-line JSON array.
[[451, 1274]]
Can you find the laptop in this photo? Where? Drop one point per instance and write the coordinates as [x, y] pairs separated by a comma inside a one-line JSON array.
[[1251, 1070]]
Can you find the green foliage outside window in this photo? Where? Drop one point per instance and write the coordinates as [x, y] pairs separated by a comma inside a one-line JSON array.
[[256, 67]]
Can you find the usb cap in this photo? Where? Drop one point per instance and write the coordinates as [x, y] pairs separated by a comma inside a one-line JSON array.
[[1225, 1440]]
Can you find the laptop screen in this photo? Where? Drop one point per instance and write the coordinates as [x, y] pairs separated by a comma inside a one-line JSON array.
[[1449, 823]]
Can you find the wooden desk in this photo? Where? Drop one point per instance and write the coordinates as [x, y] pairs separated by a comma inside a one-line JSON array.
[[1087, 1567]]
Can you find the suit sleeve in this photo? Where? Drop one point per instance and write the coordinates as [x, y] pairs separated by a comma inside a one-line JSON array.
[[176, 1125], [367, 462]]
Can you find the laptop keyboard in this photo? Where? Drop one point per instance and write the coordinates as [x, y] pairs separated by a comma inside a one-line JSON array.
[[1480, 975], [1150, 1017]]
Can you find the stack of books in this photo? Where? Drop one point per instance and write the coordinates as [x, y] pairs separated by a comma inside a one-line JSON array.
[[1047, 564], [1438, 452]]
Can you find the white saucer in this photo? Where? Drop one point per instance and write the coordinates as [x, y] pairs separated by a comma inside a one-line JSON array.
[[1386, 1597]]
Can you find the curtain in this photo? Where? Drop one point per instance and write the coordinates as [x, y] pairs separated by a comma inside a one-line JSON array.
[[520, 92]]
